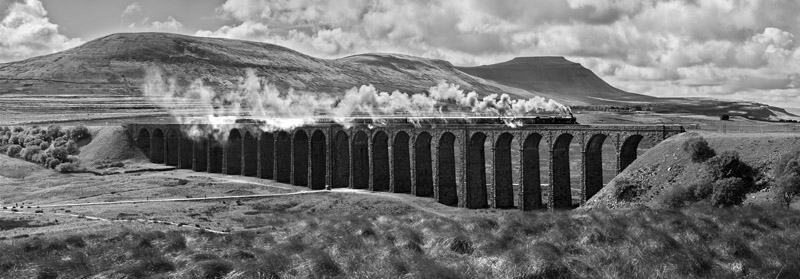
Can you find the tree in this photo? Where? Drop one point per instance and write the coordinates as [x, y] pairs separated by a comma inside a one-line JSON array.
[[724, 117]]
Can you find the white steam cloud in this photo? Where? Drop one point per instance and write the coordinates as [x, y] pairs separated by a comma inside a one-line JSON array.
[[257, 99]]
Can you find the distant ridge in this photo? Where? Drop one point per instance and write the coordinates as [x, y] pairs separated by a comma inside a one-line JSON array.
[[570, 80], [114, 66]]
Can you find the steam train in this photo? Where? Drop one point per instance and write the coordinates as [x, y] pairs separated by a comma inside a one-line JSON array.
[[400, 119]]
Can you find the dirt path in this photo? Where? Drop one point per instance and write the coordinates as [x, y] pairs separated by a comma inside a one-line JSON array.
[[398, 197], [183, 199]]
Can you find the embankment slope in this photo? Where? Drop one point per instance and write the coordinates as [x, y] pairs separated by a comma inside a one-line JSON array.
[[667, 165]]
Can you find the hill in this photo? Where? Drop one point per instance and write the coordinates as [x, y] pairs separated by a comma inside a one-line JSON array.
[[103, 78], [578, 86], [116, 63], [667, 165], [572, 81]]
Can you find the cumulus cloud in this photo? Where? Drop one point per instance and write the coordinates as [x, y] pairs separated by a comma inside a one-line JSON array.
[[171, 25], [721, 48], [27, 31], [131, 9]]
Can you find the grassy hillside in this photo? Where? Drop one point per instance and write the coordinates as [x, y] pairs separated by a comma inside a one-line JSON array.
[[698, 243], [116, 64], [556, 74], [667, 166]]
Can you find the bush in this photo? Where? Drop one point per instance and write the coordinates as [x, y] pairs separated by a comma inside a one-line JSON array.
[[59, 153], [699, 150], [786, 188], [788, 163], [787, 178], [54, 132], [724, 117], [13, 150], [729, 191], [78, 133], [727, 165], [72, 147], [29, 151], [69, 167]]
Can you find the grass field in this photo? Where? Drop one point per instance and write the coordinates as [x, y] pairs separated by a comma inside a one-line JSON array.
[[699, 242]]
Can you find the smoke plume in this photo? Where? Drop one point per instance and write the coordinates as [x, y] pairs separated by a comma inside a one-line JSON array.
[[254, 98]]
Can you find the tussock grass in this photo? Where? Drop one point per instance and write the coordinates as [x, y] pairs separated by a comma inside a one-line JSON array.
[[696, 242]]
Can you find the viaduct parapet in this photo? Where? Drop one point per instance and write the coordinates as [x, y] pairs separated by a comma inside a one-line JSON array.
[[446, 161]]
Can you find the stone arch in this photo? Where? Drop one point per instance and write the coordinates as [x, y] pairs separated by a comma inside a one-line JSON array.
[[401, 164], [360, 160], [318, 160], [593, 165], [446, 166], [214, 155], [172, 148], [503, 172], [380, 161], [186, 152], [562, 192], [423, 166], [200, 150], [249, 155], [143, 142], [266, 155], [300, 158], [233, 153], [341, 160], [531, 173], [157, 147], [476, 171], [627, 153], [283, 157]]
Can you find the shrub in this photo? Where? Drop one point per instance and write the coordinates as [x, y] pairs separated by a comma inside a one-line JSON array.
[[701, 189], [29, 151], [787, 180], [727, 165], [69, 167], [699, 150], [724, 117], [13, 150], [52, 162], [786, 188], [788, 163], [59, 153], [14, 139], [78, 133], [729, 191], [54, 132], [72, 147]]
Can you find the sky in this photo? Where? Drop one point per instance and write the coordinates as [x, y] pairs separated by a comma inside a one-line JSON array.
[[726, 49]]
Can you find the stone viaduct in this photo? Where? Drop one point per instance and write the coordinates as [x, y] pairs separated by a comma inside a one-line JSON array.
[[441, 158]]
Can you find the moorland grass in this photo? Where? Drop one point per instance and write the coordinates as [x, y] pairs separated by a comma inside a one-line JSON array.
[[695, 242]]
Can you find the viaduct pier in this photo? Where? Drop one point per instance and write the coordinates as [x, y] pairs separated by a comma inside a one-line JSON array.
[[442, 158]]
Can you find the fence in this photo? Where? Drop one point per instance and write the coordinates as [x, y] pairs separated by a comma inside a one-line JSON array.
[[735, 128]]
